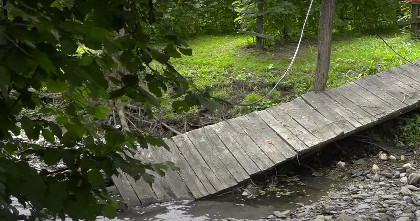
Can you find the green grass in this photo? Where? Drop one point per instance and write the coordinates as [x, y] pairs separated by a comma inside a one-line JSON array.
[[231, 68]]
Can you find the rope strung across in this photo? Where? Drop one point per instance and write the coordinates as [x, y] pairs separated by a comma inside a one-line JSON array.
[[281, 78], [386, 43], [288, 68], [294, 58]]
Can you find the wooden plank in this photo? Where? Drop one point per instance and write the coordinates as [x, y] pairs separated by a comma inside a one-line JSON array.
[[162, 190], [404, 23], [398, 75], [358, 113], [323, 103], [372, 108], [371, 111], [144, 192], [282, 131], [410, 93], [172, 178], [205, 147], [251, 148], [227, 136], [293, 126], [126, 190], [373, 99], [257, 34], [411, 71], [231, 163], [368, 84], [398, 78], [186, 173], [391, 87], [331, 110], [312, 120], [197, 163], [255, 135], [268, 134]]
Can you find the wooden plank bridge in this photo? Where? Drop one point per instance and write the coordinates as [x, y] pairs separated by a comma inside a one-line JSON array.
[[217, 157]]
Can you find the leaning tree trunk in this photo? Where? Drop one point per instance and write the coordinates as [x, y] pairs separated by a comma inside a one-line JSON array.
[[324, 44], [260, 23]]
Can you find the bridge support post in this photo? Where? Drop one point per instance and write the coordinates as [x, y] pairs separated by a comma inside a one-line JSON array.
[[415, 6], [324, 44], [260, 23]]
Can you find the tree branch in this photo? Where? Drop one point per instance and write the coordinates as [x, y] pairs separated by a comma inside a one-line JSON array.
[[171, 129], [121, 114]]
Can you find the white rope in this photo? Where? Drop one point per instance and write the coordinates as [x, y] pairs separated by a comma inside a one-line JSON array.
[[291, 62]]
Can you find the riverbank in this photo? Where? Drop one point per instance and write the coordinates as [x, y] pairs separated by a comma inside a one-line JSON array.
[[357, 178]]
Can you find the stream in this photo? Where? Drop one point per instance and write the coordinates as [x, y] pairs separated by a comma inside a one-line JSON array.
[[233, 206]]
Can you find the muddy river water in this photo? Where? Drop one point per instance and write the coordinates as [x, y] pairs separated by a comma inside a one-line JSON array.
[[231, 206], [289, 195]]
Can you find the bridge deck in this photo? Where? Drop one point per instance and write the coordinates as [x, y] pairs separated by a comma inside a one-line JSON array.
[[217, 157]]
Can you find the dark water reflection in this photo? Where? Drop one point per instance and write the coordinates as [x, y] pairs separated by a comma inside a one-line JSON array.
[[230, 206], [234, 206]]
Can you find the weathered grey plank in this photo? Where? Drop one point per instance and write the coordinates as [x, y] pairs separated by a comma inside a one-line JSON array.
[[232, 165], [282, 131], [162, 190], [312, 120], [332, 111], [251, 148], [126, 190], [398, 74], [410, 93], [197, 163], [358, 113], [375, 110], [411, 71], [373, 99], [368, 84], [205, 148], [400, 93], [226, 135], [144, 192], [172, 179], [217, 157], [268, 134], [254, 134], [298, 130], [187, 174]]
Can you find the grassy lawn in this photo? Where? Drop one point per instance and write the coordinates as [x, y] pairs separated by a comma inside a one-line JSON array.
[[231, 68]]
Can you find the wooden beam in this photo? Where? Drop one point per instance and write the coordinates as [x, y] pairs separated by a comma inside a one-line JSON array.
[[260, 23], [414, 18], [324, 44], [257, 34]]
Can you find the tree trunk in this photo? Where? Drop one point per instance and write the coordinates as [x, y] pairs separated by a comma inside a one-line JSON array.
[[260, 23], [324, 44], [414, 18]]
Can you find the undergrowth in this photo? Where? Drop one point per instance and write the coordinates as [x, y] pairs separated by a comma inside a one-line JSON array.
[[231, 68], [403, 131], [408, 130]]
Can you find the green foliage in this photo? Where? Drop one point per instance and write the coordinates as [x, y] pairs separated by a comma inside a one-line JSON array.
[[231, 69], [90, 54], [408, 130], [193, 17], [285, 18]]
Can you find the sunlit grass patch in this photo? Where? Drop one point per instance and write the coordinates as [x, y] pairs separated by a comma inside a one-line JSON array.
[[231, 68]]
